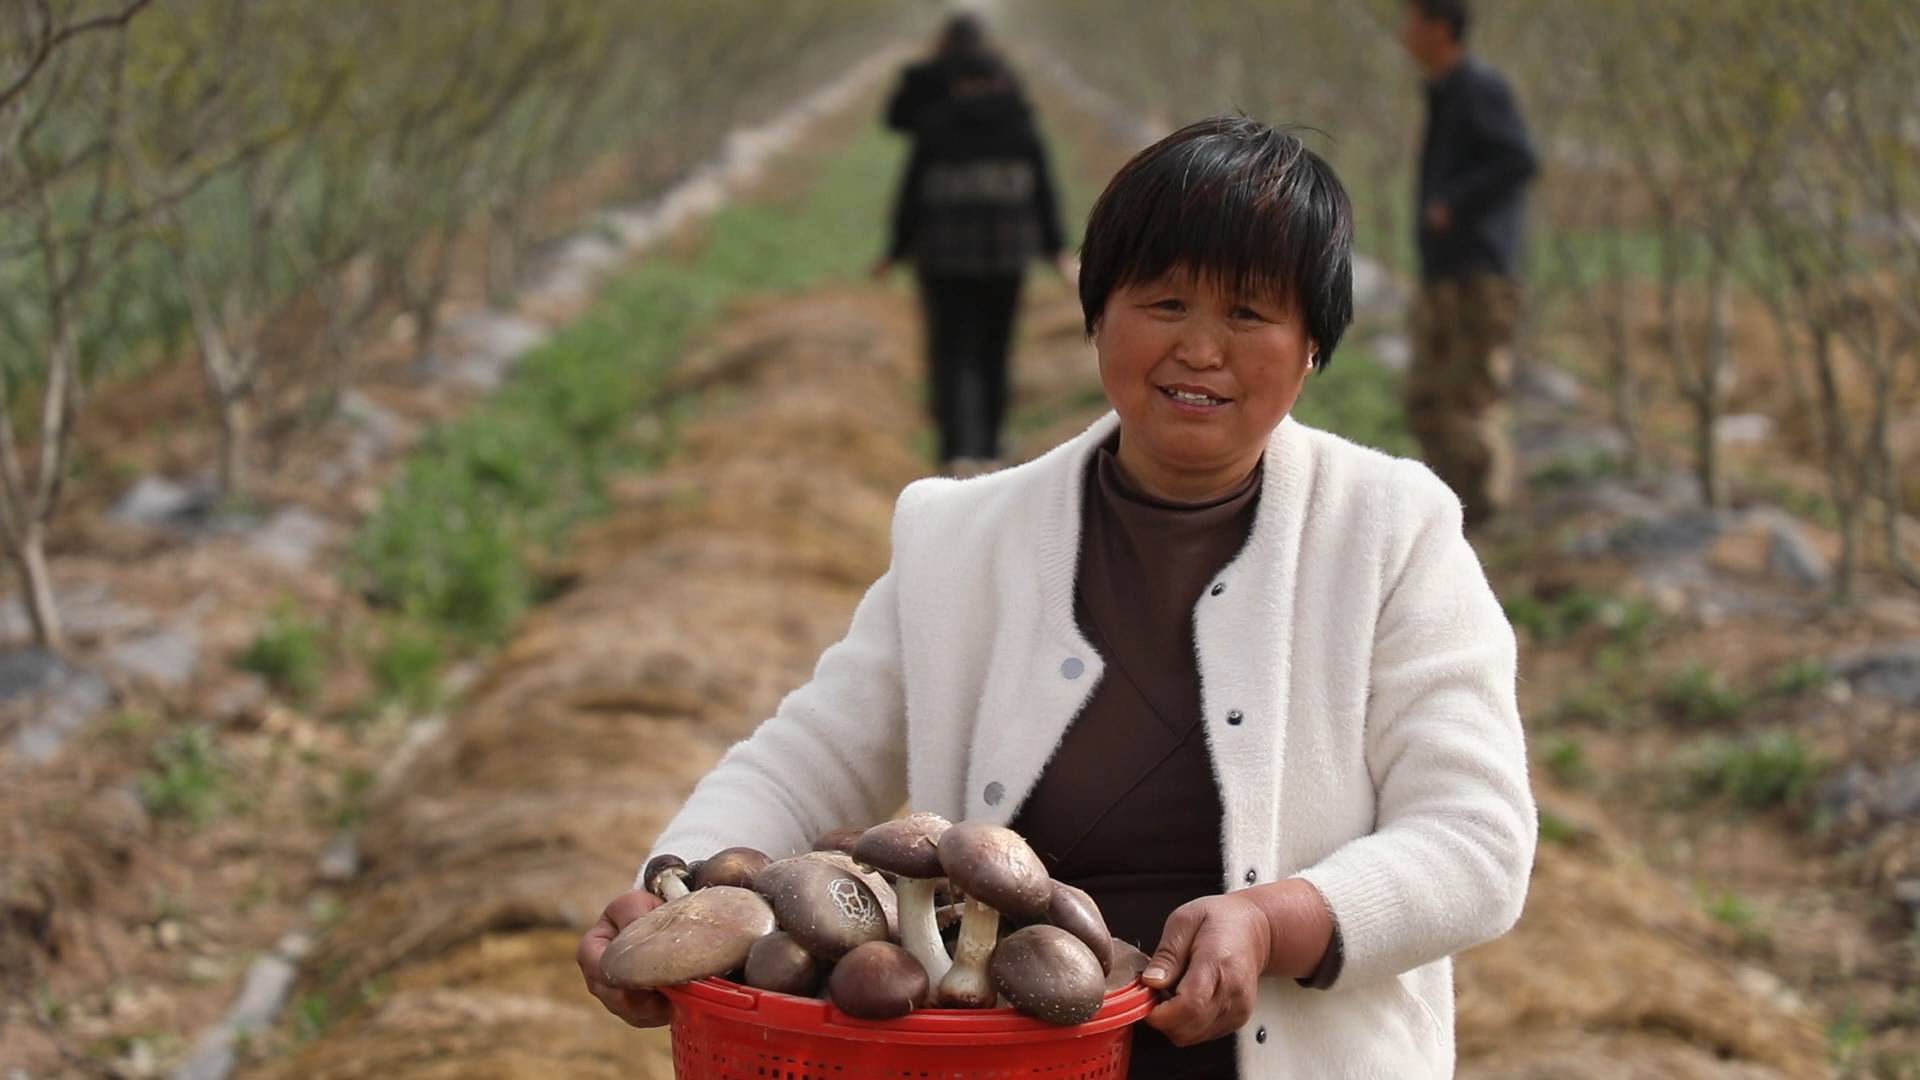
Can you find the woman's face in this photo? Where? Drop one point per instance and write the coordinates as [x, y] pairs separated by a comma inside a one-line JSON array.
[[1200, 378]]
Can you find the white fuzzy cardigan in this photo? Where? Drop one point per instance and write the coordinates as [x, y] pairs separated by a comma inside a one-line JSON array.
[[1379, 755]]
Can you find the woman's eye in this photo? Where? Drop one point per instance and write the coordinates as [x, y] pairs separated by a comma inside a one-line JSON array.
[[1247, 313], [1169, 305]]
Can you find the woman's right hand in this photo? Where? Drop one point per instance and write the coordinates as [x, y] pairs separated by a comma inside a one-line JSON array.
[[641, 1008]]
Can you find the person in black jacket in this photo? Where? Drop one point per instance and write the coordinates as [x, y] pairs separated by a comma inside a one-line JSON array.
[[975, 206], [925, 83], [1475, 163]]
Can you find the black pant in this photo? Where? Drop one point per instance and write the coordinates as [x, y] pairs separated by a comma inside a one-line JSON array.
[[969, 330]]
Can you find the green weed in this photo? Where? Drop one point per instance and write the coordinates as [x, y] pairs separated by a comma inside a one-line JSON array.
[[406, 667], [186, 777], [1593, 703], [312, 1015], [1566, 760], [1799, 677], [1696, 695], [1557, 830], [290, 653], [1757, 774]]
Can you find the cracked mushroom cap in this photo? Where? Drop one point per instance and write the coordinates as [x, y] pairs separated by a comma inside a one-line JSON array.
[[828, 911], [993, 865], [907, 847], [878, 981], [889, 902], [703, 933], [735, 866], [1072, 910], [1048, 974]]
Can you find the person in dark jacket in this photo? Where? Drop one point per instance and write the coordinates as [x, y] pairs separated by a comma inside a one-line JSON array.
[[1475, 163], [925, 83], [975, 206]]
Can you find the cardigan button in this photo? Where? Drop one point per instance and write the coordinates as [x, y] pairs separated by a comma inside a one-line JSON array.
[[1260, 1036], [1251, 877], [1234, 716], [1218, 588], [1071, 667], [994, 793]]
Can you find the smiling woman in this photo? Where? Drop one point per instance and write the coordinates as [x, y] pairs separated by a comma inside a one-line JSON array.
[[1217, 273], [1242, 682]]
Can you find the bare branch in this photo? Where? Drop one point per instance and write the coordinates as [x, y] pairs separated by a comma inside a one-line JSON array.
[[53, 39]]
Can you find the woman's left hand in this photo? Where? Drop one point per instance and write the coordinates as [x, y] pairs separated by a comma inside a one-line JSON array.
[[1210, 958]]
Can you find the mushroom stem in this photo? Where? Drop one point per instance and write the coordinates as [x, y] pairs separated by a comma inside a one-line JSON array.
[[967, 985], [920, 928], [673, 884]]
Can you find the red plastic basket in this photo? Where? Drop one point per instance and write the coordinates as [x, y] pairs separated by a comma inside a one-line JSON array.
[[725, 1031]]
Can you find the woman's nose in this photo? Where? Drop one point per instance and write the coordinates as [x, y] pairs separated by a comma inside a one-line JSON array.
[[1199, 348]]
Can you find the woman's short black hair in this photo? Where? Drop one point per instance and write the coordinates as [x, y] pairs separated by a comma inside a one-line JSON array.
[[1238, 201]]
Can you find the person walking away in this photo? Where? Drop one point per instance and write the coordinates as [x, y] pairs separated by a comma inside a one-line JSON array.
[[1475, 162], [975, 206], [925, 83]]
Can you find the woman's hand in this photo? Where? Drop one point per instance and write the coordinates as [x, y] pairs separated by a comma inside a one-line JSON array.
[[1215, 949], [641, 1008], [1211, 956]]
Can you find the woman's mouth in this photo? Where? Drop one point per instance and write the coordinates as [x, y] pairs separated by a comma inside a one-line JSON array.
[[1192, 398]]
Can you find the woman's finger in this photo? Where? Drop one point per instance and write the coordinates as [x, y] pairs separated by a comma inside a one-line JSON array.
[[1169, 961], [640, 1008], [592, 944], [1187, 1017]]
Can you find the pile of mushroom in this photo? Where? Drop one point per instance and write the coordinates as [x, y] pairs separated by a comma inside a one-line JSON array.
[[862, 916]]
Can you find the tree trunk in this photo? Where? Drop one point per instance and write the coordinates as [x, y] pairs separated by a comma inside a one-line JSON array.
[[425, 304], [236, 431], [1887, 472], [36, 585], [1707, 403], [1619, 324], [1626, 406], [1844, 485], [500, 256]]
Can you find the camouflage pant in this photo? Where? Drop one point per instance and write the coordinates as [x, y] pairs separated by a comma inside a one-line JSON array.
[[1456, 390]]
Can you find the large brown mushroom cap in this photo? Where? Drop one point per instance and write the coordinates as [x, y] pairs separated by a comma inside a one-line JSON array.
[[778, 963], [828, 910], [905, 847], [703, 933], [1072, 910], [882, 889], [1048, 974], [993, 865], [878, 981], [734, 866]]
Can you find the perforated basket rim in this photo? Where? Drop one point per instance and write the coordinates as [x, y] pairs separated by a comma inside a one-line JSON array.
[[923, 1027]]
